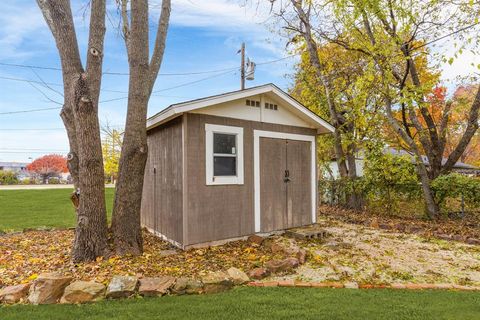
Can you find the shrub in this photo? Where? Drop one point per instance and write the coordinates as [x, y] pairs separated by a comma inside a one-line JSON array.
[[8, 177], [456, 186]]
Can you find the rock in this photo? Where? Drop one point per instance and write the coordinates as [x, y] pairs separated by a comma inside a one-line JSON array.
[[83, 291], [150, 287], [238, 276], [48, 288], [458, 237], [301, 256], [443, 236], [215, 282], [351, 285], [186, 286], [334, 245], [166, 253], [255, 239], [122, 287], [276, 248], [258, 273], [14, 294], [275, 266], [374, 223], [473, 241]]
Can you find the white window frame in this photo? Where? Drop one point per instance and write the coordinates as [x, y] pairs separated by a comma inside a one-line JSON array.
[[210, 129]]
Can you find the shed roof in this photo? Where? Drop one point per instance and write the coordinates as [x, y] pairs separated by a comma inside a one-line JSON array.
[[177, 109]]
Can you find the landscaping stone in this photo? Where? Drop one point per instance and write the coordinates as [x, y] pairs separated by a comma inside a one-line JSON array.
[[286, 283], [150, 287], [276, 266], [301, 255], [258, 273], [216, 282], [255, 239], [473, 241], [351, 285], [48, 288], [83, 291], [122, 286], [187, 286], [276, 248], [238, 276], [14, 294]]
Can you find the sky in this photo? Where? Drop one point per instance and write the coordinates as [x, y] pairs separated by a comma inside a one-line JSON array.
[[204, 37]]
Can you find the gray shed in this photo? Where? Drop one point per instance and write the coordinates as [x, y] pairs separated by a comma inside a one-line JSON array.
[[228, 166]]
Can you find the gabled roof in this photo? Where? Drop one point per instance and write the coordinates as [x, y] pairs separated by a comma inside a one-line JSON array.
[[177, 109]]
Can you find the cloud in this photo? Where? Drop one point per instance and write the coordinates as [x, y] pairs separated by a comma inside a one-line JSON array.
[[22, 26]]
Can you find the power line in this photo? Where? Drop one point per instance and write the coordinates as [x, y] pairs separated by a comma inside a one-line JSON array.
[[32, 149], [30, 110], [29, 66]]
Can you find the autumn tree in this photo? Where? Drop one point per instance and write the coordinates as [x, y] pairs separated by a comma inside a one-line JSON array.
[[394, 34], [352, 87], [48, 166], [111, 149]]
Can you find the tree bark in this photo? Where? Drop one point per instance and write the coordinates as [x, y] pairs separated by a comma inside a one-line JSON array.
[[126, 225], [80, 117]]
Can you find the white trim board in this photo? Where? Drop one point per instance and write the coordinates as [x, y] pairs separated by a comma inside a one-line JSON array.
[[257, 134], [180, 108]]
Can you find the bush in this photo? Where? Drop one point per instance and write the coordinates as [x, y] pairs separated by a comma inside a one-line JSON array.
[[54, 181], [8, 177], [454, 186]]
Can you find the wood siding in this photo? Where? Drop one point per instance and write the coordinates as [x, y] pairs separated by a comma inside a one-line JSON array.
[[225, 211], [162, 201]]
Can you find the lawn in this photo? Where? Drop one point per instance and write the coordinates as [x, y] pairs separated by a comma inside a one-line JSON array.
[[20, 209], [272, 303]]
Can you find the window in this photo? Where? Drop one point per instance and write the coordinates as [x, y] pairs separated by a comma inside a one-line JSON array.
[[252, 103], [271, 106], [224, 154]]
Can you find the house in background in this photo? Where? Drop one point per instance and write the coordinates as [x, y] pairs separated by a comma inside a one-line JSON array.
[[231, 165], [333, 173], [19, 168]]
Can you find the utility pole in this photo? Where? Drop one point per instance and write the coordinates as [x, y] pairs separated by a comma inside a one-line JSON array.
[[242, 67]]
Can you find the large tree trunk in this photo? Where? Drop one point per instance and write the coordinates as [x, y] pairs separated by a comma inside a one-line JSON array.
[[80, 116], [126, 213]]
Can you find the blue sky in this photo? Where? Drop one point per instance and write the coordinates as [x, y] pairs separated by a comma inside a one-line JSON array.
[[203, 36]]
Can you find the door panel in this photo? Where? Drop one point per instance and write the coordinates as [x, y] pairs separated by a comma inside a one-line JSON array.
[[272, 187], [299, 190]]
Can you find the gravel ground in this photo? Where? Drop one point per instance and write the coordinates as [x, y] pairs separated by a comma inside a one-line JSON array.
[[366, 255]]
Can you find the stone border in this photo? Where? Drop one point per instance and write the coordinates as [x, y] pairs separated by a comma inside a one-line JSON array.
[[354, 285]]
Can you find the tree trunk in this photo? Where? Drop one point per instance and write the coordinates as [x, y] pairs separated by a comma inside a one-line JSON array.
[[126, 225], [80, 116]]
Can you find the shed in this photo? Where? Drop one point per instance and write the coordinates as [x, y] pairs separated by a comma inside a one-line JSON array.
[[228, 166]]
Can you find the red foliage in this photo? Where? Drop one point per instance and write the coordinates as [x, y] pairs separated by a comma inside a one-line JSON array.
[[48, 165]]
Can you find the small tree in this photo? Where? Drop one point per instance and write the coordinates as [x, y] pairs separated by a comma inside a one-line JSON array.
[[111, 149], [48, 166]]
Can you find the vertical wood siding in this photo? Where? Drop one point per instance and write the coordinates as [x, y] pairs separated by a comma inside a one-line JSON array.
[[223, 211], [162, 200]]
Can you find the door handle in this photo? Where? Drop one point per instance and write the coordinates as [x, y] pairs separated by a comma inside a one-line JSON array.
[[287, 176]]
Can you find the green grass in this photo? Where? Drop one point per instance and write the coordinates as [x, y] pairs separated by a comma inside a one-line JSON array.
[[272, 303], [20, 209]]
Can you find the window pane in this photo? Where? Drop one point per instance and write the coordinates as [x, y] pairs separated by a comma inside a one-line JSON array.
[[224, 166], [224, 143]]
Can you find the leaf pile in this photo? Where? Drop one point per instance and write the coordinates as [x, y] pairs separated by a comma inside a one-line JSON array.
[[25, 255], [465, 230]]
